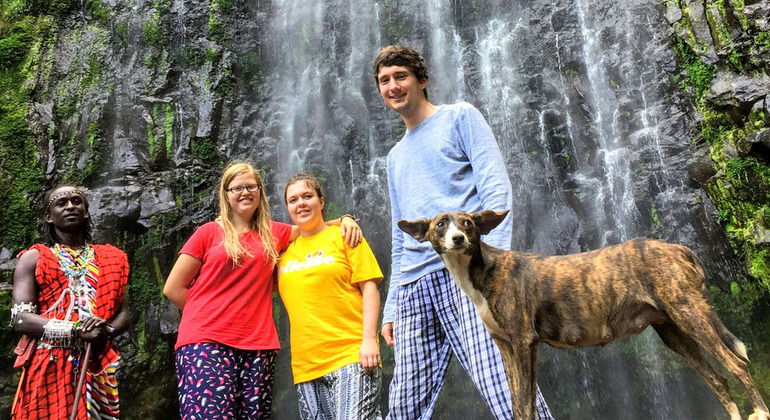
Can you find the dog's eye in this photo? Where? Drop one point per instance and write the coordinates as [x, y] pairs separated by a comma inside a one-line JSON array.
[[439, 224], [467, 223]]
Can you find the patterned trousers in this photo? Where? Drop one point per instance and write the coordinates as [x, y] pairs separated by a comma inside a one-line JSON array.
[[348, 393], [221, 382], [433, 320]]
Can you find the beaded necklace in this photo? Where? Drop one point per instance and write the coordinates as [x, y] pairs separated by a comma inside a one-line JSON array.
[[71, 262], [60, 332], [75, 264]]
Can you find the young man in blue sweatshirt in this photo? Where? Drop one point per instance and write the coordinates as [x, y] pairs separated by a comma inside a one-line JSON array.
[[448, 160]]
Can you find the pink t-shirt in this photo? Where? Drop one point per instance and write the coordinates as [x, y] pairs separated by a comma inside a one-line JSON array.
[[231, 305]]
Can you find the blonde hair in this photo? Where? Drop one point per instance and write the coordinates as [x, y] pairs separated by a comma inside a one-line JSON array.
[[260, 221]]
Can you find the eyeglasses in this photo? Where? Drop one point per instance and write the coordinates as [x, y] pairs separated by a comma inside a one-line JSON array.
[[239, 188]]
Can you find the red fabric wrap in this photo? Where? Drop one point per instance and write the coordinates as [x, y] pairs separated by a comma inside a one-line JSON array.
[[48, 388]]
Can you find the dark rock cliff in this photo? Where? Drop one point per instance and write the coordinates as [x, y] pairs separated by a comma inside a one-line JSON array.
[[616, 119]]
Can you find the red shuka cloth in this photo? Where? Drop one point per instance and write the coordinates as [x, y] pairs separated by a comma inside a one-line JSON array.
[[48, 386]]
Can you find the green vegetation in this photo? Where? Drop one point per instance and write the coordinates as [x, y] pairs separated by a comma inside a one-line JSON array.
[[161, 143], [18, 149], [250, 67], [168, 129], [94, 142], [720, 31], [162, 6], [122, 32], [741, 190], [14, 45], [224, 5], [191, 57], [763, 40], [24, 27], [152, 35], [226, 85], [148, 376], [699, 74], [216, 28], [655, 218], [146, 286], [16, 9], [152, 140], [736, 60], [98, 10], [737, 9], [211, 55], [205, 150], [741, 197]]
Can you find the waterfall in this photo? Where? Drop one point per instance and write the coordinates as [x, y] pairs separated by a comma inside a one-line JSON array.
[[579, 111], [142, 103]]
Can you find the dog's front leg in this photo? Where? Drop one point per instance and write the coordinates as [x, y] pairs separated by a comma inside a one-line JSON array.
[[519, 361]]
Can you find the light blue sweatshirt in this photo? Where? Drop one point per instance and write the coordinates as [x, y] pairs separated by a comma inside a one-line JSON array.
[[449, 162]]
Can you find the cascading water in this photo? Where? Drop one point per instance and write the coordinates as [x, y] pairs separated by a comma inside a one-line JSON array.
[[578, 119], [142, 103]]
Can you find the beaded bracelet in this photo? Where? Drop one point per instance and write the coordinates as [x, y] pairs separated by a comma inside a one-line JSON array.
[[22, 307], [58, 333]]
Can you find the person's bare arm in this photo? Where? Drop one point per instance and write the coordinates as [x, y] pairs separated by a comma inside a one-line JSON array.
[[182, 274], [349, 228], [370, 350], [25, 291]]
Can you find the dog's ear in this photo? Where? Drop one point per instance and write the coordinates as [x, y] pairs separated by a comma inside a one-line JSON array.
[[418, 229], [488, 220]]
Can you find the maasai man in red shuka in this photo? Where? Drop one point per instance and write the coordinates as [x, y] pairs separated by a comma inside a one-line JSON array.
[[67, 293]]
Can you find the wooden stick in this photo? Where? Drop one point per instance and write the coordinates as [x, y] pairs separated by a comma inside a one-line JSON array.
[[81, 381], [18, 391]]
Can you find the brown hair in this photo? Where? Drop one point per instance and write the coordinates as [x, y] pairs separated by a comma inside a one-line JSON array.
[[398, 55], [260, 221], [310, 180]]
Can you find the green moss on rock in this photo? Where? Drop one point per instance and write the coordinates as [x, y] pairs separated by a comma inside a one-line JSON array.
[[699, 74], [18, 150]]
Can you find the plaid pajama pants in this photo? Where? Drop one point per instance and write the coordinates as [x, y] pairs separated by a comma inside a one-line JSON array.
[[433, 320]]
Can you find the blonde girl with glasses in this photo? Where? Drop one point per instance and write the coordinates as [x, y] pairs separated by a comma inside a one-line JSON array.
[[223, 283]]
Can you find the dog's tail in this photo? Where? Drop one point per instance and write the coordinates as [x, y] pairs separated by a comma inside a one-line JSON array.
[[731, 341]]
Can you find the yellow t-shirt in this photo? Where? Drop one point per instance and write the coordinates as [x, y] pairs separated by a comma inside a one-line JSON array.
[[316, 280]]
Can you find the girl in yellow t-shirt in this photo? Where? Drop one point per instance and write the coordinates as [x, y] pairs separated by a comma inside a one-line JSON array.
[[330, 293]]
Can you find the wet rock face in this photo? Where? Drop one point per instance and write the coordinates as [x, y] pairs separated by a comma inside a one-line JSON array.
[[738, 91], [146, 107]]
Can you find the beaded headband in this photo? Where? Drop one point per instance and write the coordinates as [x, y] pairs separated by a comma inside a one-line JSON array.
[[63, 193]]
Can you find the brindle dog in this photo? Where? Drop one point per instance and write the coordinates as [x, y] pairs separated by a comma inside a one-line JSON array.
[[586, 299]]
